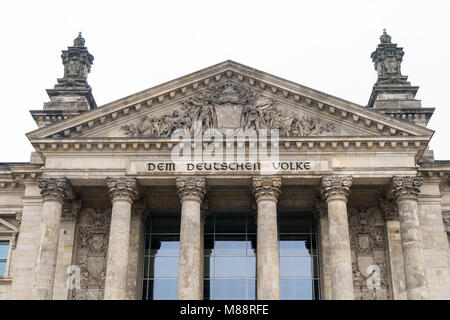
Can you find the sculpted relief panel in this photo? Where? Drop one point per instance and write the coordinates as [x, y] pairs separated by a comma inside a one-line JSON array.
[[91, 249], [229, 106], [367, 243]]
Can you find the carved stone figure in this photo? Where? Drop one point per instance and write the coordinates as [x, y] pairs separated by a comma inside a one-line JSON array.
[[91, 251], [367, 238], [227, 106]]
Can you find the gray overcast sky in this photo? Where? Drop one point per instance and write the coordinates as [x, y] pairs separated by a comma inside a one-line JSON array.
[[325, 45]]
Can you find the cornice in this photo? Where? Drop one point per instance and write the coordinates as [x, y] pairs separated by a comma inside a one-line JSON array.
[[238, 73]]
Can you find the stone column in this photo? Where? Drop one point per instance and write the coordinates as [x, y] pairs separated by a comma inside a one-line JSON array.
[[321, 216], [405, 190], [122, 192], [335, 190], [191, 191], [267, 191], [394, 249], [54, 192]]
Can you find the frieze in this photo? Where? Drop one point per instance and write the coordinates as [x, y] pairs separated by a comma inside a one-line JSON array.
[[228, 107]]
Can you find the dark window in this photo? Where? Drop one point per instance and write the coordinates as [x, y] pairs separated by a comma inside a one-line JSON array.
[[299, 274], [161, 250]]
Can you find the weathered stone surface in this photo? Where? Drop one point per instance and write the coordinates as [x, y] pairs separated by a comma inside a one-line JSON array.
[[335, 190], [406, 191], [191, 191]]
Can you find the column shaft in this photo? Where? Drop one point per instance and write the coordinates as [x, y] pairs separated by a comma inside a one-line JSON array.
[[335, 190], [406, 191], [54, 191], [122, 192], [267, 191], [191, 191]]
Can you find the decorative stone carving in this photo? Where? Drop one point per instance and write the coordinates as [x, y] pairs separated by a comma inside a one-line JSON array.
[[266, 188], [387, 59], [191, 188], [446, 218], [367, 238], [228, 106], [335, 187], [122, 188], [389, 208], [406, 187], [71, 209], [56, 189], [19, 218], [77, 63], [91, 251]]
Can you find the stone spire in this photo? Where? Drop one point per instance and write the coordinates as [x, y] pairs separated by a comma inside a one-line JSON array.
[[392, 90], [72, 94]]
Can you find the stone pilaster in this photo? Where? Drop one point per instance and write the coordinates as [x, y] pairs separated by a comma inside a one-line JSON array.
[[123, 192], [405, 190], [66, 246], [394, 249], [54, 192], [321, 215], [336, 190], [267, 191], [191, 191]]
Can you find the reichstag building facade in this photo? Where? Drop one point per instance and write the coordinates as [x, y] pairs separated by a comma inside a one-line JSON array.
[[227, 183]]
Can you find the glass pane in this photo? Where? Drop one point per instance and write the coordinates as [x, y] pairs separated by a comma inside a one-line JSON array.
[[251, 244], [146, 270], [163, 289], [296, 289], [294, 223], [4, 247], [208, 267], [230, 224], [229, 289], [294, 245], [251, 224], [230, 267], [2, 268], [229, 245], [165, 267], [165, 224], [251, 267], [295, 267], [165, 245], [251, 289]]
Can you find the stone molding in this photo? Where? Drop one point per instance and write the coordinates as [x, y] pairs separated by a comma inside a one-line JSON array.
[[191, 188], [266, 188], [122, 189], [389, 208], [335, 188], [406, 187], [55, 189]]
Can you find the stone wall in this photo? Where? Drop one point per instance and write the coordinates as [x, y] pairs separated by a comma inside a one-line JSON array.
[[435, 242]]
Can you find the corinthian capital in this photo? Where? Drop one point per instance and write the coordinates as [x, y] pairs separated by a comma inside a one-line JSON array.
[[266, 188], [389, 208], [55, 189], [191, 188], [335, 187], [406, 187], [122, 188]]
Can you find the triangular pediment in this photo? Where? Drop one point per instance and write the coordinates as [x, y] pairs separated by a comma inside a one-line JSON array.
[[229, 96], [6, 227]]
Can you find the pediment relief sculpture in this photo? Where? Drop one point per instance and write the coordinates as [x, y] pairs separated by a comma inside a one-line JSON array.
[[228, 107]]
